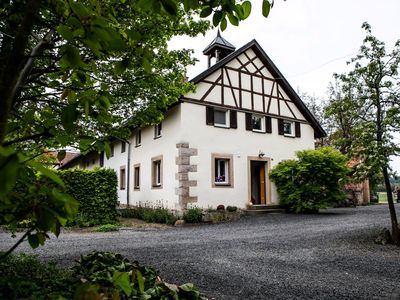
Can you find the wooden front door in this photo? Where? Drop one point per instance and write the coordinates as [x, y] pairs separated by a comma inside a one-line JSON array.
[[258, 195]]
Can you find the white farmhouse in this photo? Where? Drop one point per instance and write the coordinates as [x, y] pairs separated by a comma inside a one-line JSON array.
[[216, 145]]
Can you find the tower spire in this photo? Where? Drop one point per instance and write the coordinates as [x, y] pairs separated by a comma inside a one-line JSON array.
[[218, 48]]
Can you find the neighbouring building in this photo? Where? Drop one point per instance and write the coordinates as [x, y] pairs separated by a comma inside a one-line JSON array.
[[216, 145]]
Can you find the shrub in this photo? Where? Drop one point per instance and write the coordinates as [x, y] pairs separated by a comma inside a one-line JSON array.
[[231, 208], [25, 277], [313, 181], [96, 192], [193, 215], [108, 228], [114, 273], [150, 215], [221, 207]]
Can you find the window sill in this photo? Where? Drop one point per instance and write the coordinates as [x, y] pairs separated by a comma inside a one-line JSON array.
[[156, 186], [157, 137], [136, 188], [221, 126], [258, 131], [138, 145], [289, 135], [222, 184]]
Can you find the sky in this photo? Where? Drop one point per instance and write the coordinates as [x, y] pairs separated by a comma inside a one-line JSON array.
[[308, 40]]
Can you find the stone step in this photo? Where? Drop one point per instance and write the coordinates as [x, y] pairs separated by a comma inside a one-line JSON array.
[[258, 210]]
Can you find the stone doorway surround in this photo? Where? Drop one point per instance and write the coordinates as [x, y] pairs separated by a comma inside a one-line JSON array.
[[267, 160]]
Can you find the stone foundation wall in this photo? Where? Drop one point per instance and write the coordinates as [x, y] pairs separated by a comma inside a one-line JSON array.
[[184, 167]]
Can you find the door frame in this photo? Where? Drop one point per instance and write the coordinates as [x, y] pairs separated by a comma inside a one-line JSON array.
[[267, 161]]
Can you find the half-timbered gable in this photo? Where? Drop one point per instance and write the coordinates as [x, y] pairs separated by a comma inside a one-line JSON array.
[[247, 80]]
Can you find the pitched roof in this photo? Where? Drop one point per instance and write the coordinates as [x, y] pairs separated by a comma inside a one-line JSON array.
[[318, 130], [219, 42]]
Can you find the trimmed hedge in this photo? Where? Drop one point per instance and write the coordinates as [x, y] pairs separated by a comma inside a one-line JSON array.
[[96, 192]]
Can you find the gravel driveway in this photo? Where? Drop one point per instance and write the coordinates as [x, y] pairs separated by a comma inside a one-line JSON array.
[[277, 256]]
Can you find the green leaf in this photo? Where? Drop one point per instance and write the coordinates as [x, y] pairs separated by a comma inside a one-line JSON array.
[[79, 9], [121, 280], [68, 117], [140, 281], [205, 12], [234, 21], [190, 4], [217, 17], [246, 5], [120, 67], [61, 155], [9, 166], [46, 172], [65, 32], [146, 64], [33, 240], [224, 24], [71, 56], [266, 7], [170, 7]]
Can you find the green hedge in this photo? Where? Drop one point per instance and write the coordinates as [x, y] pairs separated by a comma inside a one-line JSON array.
[[96, 192]]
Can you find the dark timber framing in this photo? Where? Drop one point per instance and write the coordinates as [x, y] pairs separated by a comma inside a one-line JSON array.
[[277, 80]]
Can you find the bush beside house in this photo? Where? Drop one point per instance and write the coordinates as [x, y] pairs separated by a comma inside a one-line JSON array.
[[314, 181]]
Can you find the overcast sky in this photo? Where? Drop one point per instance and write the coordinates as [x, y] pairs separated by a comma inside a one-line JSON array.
[[308, 40]]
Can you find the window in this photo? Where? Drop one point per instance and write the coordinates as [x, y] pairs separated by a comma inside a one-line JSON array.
[[220, 118], [111, 150], [222, 170], [157, 130], [156, 171], [136, 180], [102, 159], [288, 128], [257, 123], [123, 147], [122, 178], [138, 137]]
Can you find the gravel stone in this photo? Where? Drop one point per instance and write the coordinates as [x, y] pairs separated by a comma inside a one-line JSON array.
[[331, 255]]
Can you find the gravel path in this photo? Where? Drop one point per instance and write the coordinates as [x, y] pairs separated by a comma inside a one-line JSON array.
[[277, 256]]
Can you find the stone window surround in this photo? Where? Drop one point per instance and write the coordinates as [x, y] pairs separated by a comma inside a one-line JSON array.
[[122, 171], [154, 184], [228, 157], [136, 187]]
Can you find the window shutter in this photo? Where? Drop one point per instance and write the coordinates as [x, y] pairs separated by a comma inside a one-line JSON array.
[[209, 115], [268, 124], [249, 126], [280, 127], [233, 118], [297, 129]]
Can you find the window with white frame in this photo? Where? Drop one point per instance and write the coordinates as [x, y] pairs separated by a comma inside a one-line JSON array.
[[123, 147], [138, 137], [221, 118], [136, 174], [122, 178], [222, 170], [157, 130], [257, 123], [288, 128], [156, 172]]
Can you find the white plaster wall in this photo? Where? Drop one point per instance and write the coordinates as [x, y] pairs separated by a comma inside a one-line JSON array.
[[116, 162], [150, 147], [238, 142]]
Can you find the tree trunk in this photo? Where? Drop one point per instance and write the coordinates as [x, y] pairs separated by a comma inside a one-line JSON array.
[[393, 217]]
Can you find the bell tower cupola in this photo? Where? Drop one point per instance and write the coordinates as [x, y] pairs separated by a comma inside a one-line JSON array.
[[219, 48]]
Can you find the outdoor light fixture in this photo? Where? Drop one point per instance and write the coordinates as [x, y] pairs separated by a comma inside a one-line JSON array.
[[261, 154]]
